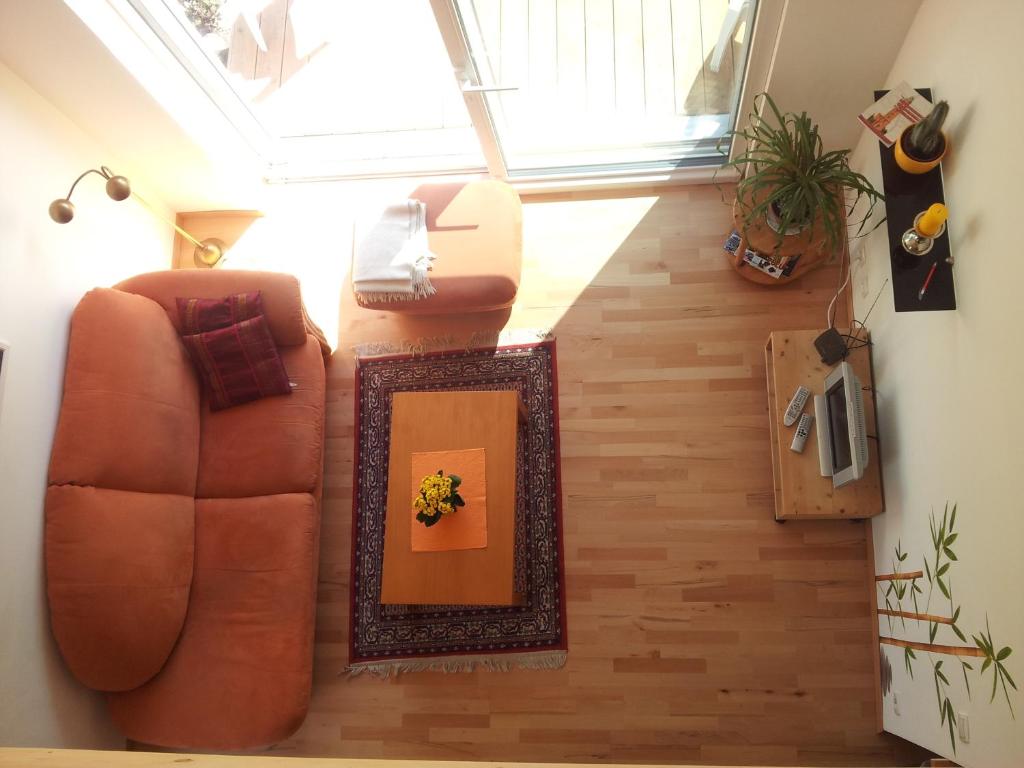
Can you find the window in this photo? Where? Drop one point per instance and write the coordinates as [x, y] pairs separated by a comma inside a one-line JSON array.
[[607, 83], [520, 87]]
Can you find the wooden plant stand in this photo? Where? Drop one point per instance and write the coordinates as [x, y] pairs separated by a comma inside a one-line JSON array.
[[811, 245]]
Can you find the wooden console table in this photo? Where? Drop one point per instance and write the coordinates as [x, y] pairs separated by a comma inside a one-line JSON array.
[[801, 493]]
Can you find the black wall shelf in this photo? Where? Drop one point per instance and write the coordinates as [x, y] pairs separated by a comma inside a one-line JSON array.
[[906, 195]]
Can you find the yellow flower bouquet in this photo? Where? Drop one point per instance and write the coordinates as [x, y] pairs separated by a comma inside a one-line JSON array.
[[438, 496]]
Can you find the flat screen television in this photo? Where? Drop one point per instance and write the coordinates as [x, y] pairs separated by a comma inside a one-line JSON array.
[[842, 430]]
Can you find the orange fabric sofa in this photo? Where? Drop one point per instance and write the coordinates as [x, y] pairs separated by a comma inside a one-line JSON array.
[[182, 544]]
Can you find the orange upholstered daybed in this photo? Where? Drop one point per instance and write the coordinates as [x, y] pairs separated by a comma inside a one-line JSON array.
[[181, 543]]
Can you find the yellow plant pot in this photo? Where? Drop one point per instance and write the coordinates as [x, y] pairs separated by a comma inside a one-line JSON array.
[[911, 164]]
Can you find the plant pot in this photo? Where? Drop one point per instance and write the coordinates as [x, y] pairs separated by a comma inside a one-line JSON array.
[[774, 220], [917, 165]]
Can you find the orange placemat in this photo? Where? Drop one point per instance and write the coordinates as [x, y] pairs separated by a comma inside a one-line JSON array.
[[466, 528]]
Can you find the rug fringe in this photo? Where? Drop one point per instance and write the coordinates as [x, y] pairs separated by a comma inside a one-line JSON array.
[[420, 346], [447, 343], [420, 290], [508, 337], [450, 664]]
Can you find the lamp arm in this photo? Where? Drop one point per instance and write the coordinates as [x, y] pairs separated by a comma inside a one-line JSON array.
[[91, 170], [177, 229], [207, 252]]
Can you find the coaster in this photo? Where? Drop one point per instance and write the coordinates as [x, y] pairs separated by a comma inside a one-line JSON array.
[[465, 528]]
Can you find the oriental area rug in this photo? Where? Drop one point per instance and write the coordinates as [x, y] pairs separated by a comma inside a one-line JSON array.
[[388, 639]]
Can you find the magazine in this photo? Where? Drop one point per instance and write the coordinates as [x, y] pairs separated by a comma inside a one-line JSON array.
[[897, 110]]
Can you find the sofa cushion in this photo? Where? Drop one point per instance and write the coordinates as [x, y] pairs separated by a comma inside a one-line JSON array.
[[274, 445], [238, 363], [118, 570], [240, 675], [198, 315], [130, 415]]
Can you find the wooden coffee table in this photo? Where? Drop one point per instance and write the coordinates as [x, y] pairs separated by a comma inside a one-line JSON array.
[[487, 420]]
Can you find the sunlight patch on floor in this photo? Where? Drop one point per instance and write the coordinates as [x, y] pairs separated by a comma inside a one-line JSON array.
[[555, 284]]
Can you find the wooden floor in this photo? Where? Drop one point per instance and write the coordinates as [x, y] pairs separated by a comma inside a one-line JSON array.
[[699, 629]]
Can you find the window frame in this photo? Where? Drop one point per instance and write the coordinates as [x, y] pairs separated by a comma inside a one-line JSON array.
[[167, 35]]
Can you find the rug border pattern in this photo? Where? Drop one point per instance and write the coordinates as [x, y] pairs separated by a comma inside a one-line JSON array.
[[557, 519]]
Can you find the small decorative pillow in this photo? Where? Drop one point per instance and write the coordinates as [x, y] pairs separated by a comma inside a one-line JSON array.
[[238, 363], [199, 315]]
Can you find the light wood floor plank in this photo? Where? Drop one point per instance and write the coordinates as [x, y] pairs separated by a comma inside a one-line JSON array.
[[572, 55], [717, 85], [600, 31], [688, 57], [657, 51], [543, 55], [629, 56], [515, 51]]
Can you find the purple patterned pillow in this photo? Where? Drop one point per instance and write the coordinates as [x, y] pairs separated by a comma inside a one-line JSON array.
[[199, 315], [238, 363]]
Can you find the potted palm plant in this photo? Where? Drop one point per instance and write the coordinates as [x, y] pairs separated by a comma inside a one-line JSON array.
[[793, 197]]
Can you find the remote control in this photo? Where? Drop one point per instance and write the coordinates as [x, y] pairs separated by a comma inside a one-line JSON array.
[[802, 431], [796, 406]]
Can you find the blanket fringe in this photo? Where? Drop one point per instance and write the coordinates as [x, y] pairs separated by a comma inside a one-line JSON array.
[[420, 291], [448, 343], [450, 664]]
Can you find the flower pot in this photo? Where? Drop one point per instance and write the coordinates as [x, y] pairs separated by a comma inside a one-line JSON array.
[[916, 165], [774, 220]]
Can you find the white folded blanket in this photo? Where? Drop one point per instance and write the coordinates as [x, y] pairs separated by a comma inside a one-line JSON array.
[[391, 257]]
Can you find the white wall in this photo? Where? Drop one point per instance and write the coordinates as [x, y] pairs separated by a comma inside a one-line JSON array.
[[948, 383], [44, 269], [829, 56]]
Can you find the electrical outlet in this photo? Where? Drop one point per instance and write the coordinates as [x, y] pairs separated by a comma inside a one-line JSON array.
[[963, 726], [857, 253], [861, 273], [896, 702]]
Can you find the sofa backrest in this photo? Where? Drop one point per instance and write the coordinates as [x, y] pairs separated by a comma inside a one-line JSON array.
[[130, 415], [282, 301]]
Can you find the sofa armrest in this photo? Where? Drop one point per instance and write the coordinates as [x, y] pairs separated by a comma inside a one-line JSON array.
[[282, 300]]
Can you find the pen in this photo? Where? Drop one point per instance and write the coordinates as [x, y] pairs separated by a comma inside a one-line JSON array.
[[927, 281]]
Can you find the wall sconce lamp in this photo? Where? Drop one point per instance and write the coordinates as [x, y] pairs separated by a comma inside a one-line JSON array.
[[207, 252]]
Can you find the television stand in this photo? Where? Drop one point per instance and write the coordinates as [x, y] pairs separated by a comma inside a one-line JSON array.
[[801, 493]]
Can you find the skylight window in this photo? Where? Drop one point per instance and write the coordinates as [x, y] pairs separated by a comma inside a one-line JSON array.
[[520, 88]]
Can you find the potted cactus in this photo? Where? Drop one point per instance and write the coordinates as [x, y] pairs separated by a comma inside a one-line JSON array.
[[922, 146]]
